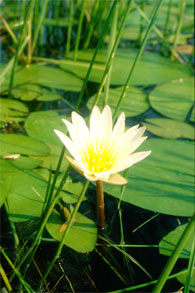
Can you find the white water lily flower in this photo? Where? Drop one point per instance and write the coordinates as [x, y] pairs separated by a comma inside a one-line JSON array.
[[100, 152]]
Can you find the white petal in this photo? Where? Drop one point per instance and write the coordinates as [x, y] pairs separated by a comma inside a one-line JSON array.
[[119, 127], [131, 160], [79, 124], [129, 148], [102, 175], [95, 117], [68, 144], [105, 123]]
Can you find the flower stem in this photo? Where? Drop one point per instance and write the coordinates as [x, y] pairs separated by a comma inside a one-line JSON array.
[[100, 205]]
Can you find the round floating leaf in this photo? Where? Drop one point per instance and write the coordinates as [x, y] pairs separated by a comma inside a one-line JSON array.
[[168, 243], [51, 161], [164, 181], [11, 110], [25, 192], [152, 68], [182, 279], [192, 117], [29, 92], [134, 103], [41, 125], [82, 235], [173, 99], [71, 189], [169, 128], [51, 77], [24, 162], [23, 145]]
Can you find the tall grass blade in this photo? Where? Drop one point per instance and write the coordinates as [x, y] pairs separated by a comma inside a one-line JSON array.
[[174, 256], [182, 4], [69, 27], [73, 214], [78, 35], [94, 55], [190, 268], [18, 274], [112, 38], [111, 57], [150, 26], [38, 25]]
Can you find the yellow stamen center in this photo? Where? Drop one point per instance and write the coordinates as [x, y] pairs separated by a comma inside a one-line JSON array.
[[98, 159]]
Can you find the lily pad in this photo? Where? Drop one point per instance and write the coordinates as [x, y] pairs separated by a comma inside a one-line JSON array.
[[41, 125], [152, 68], [173, 99], [11, 110], [24, 190], [164, 181], [168, 243], [21, 144], [82, 235], [71, 190], [51, 77], [182, 279], [169, 128], [29, 92], [134, 103]]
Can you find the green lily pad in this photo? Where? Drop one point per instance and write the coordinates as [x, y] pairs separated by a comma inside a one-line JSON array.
[[192, 117], [151, 69], [82, 235], [24, 162], [51, 77], [182, 279], [164, 181], [134, 103], [41, 125], [51, 161], [169, 128], [168, 243], [71, 190], [29, 92], [11, 110], [20, 144], [24, 190], [173, 99]]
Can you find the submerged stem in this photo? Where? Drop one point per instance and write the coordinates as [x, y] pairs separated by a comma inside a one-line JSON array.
[[100, 205]]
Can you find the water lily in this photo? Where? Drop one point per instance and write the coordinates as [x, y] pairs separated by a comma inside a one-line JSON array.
[[101, 151]]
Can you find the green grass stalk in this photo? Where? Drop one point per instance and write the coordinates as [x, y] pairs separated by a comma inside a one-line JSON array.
[[150, 26], [44, 217], [38, 25], [110, 47], [18, 274], [5, 279], [78, 35], [131, 258], [160, 34], [21, 38], [182, 4], [190, 268], [91, 24], [149, 283], [122, 243], [110, 266], [141, 22], [73, 214], [94, 55], [69, 27], [167, 18], [175, 255], [111, 57]]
